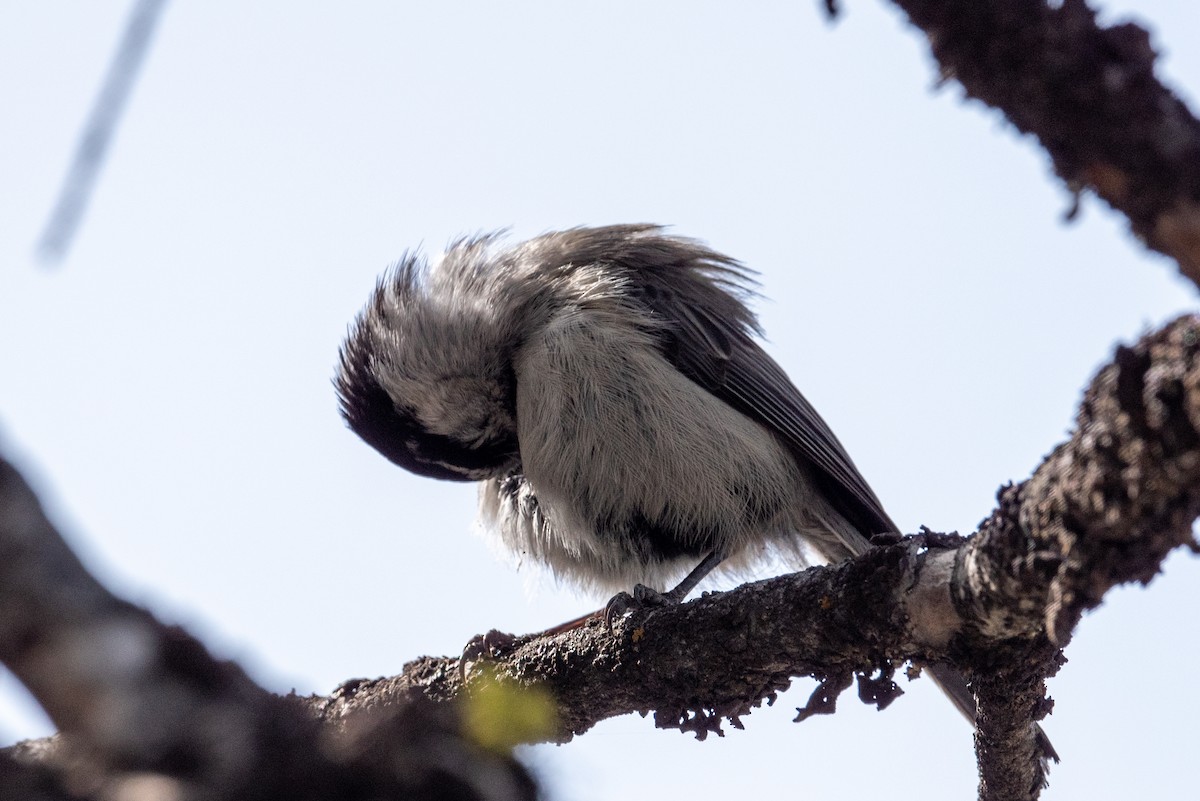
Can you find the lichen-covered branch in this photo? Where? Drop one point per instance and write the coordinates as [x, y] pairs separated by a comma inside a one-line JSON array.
[[1090, 96], [1104, 508], [140, 701], [694, 665]]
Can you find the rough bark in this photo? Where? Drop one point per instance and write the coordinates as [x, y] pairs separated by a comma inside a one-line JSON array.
[[1090, 96], [138, 701], [1104, 508]]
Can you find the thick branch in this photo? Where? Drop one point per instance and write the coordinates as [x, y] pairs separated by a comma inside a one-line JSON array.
[[145, 711], [134, 697], [1090, 96], [27, 780], [714, 659], [1105, 507], [696, 664]]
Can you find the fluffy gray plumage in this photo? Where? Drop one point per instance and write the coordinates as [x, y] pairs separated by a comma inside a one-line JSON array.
[[604, 385]]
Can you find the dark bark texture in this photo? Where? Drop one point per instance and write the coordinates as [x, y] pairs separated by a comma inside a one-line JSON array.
[[145, 711], [1090, 96], [1104, 508], [141, 702]]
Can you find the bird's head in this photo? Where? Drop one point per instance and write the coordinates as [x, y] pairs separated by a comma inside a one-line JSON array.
[[425, 374]]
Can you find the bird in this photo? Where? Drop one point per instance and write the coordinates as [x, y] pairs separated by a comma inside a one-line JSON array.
[[606, 388]]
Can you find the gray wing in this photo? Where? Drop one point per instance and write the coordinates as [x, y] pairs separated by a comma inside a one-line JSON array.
[[707, 338]]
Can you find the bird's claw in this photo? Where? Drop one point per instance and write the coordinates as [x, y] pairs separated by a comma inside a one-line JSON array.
[[493, 644], [643, 597], [617, 607]]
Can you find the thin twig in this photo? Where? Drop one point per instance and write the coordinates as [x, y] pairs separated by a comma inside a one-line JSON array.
[[93, 145]]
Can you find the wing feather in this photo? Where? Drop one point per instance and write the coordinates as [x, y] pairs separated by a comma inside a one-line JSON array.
[[694, 299], [707, 335]]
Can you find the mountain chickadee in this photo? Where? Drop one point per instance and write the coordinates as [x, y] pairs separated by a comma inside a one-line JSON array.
[[604, 386]]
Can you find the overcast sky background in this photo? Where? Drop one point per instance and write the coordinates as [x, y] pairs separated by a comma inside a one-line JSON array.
[[167, 387]]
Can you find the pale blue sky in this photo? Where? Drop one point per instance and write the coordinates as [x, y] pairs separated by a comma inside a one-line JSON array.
[[167, 386]]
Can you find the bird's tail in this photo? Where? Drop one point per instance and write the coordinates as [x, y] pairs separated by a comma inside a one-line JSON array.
[[851, 543], [955, 686]]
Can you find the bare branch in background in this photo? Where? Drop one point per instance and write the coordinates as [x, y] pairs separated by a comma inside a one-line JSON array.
[[98, 133], [145, 711], [1090, 96]]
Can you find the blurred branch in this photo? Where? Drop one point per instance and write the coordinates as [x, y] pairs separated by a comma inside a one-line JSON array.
[[142, 705], [30, 781], [93, 145], [1090, 96], [144, 711], [1104, 508]]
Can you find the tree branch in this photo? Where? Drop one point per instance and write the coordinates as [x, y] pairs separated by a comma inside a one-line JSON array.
[[140, 701], [145, 711], [1104, 508], [1090, 96], [28, 780], [137, 699], [92, 148]]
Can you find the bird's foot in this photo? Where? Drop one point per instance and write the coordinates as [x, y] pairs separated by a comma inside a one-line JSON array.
[[492, 645], [643, 597]]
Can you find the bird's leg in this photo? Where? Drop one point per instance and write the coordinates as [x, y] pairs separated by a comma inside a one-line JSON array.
[[571, 625], [622, 603]]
